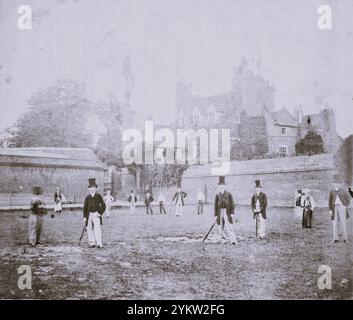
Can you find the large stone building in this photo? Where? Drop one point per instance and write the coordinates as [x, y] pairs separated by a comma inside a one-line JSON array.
[[251, 95]]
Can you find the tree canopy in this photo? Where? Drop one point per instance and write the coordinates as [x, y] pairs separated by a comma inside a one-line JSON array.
[[57, 117], [311, 144]]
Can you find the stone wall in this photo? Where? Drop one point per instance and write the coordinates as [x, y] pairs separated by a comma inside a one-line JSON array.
[[280, 178], [21, 169]]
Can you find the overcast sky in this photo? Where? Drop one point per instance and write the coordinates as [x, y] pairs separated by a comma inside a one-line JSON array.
[[200, 41]]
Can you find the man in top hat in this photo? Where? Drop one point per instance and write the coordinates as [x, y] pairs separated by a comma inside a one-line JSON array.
[[179, 200], [224, 211], [93, 210], [148, 200], [258, 207], [338, 202], [132, 202]]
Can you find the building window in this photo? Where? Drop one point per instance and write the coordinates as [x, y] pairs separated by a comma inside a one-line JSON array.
[[283, 151], [284, 130]]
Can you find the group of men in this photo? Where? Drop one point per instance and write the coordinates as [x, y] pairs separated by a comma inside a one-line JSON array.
[[95, 205]]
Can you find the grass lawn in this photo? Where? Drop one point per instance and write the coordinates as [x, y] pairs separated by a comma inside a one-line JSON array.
[[161, 257]]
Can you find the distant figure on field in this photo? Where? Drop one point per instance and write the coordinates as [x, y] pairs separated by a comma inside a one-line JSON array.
[[308, 205], [161, 201], [59, 199], [108, 199], [179, 200], [36, 217], [201, 201], [132, 202], [148, 201]]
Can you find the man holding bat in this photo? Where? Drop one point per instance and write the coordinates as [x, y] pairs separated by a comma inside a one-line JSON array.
[[93, 210]]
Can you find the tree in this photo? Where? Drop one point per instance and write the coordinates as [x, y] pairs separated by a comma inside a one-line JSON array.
[[115, 117], [253, 138], [57, 117], [311, 144]]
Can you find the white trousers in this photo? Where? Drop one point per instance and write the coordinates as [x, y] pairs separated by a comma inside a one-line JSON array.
[[132, 208], [35, 228], [179, 209], [260, 225], [298, 212], [108, 210], [226, 229], [340, 215], [94, 229]]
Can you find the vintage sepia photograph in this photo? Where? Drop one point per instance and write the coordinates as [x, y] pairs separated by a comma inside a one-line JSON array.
[[176, 150]]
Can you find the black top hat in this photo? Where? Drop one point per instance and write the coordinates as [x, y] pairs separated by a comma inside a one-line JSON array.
[[221, 180], [257, 184], [37, 190], [336, 178], [92, 182], [299, 190]]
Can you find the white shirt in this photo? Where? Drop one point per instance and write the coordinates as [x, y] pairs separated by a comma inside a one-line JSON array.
[[200, 196], [161, 198], [338, 201]]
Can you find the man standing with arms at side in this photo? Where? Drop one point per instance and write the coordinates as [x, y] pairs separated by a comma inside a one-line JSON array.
[[148, 201], [224, 212], [132, 202], [93, 209], [338, 202], [179, 200], [258, 207], [200, 201]]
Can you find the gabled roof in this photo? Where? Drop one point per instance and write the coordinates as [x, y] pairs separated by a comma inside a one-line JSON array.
[[283, 118]]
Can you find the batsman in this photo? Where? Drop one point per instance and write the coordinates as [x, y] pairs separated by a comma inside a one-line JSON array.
[[93, 210], [258, 207], [224, 212]]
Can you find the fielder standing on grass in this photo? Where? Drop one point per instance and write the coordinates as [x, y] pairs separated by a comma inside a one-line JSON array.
[[161, 201], [36, 217], [338, 202], [224, 212], [179, 200], [108, 199], [148, 201], [200, 201], [132, 202], [93, 210], [258, 207]]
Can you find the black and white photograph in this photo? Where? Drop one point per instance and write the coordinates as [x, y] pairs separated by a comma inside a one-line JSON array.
[[176, 150]]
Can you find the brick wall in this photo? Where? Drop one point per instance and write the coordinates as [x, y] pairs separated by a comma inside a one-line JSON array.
[[280, 178], [19, 173]]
